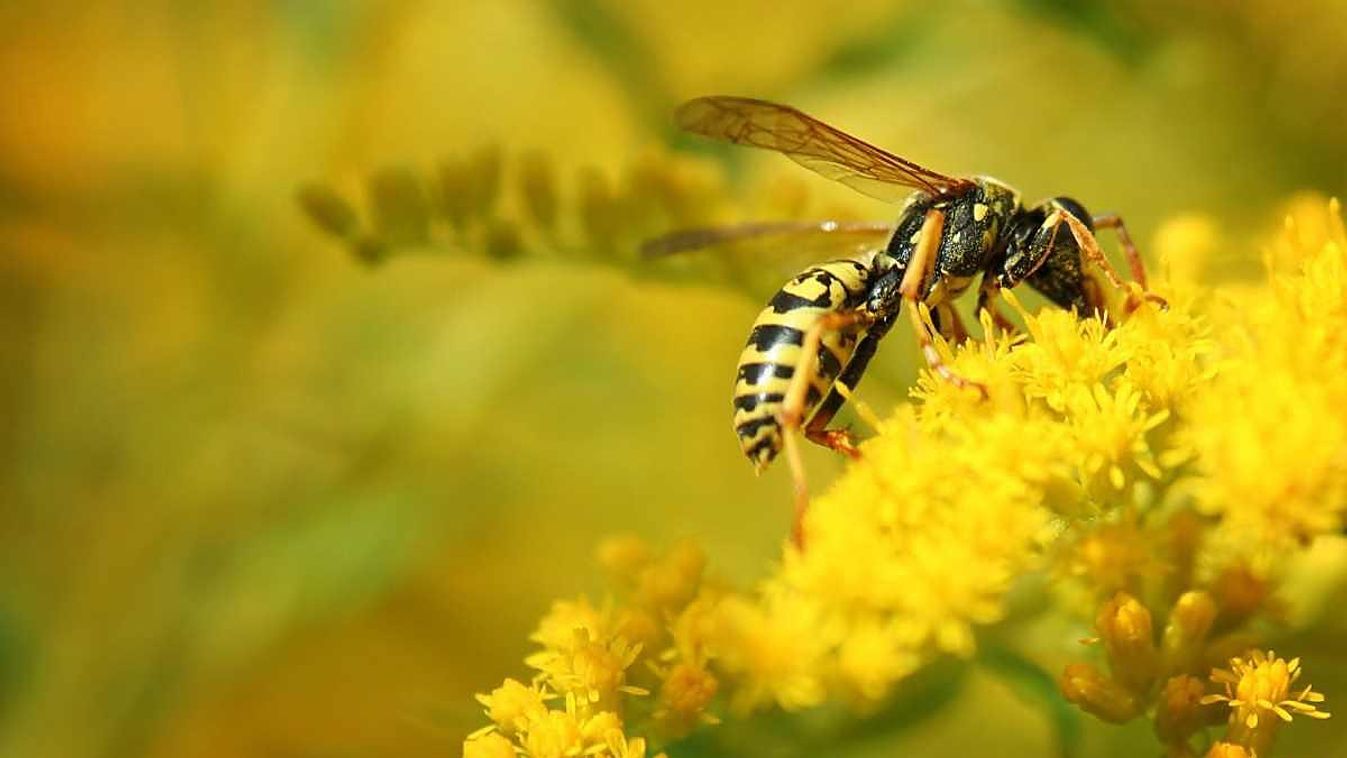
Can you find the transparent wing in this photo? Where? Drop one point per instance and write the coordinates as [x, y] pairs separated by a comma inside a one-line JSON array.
[[759, 257], [813, 144], [837, 234]]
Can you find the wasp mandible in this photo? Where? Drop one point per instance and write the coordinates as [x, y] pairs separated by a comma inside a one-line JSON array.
[[810, 346]]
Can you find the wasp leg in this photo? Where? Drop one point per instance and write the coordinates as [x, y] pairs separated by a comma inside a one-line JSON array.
[[1114, 221], [1089, 247], [988, 293], [793, 405], [950, 324], [816, 430], [912, 287]]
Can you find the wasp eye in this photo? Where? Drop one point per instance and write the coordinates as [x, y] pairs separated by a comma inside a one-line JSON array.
[[1075, 209]]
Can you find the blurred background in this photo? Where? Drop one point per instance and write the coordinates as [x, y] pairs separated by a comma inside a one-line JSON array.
[[260, 498]]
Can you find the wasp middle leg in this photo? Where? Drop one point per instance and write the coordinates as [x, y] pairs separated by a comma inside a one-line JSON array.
[[988, 293], [950, 324], [914, 285]]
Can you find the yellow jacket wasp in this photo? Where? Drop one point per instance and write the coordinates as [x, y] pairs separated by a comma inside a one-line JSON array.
[[810, 346]]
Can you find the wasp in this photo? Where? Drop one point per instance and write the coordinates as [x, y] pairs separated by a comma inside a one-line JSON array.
[[812, 343]]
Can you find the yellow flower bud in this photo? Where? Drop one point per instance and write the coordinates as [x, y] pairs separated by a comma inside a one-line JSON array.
[[683, 698], [1096, 694], [1240, 593], [1180, 712], [623, 555], [1189, 623], [538, 182], [1228, 750], [1124, 626]]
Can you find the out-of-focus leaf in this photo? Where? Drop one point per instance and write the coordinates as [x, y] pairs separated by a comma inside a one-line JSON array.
[[1037, 687], [833, 729]]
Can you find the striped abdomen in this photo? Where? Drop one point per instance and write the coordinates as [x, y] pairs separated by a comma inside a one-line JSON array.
[[772, 354]]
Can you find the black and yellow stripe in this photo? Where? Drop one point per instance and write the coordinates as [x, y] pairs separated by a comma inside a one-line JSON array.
[[772, 356]]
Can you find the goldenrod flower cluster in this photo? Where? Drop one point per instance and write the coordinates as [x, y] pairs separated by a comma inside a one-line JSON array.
[[1158, 472]]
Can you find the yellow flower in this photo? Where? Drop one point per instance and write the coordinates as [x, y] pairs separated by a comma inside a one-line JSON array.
[[555, 734], [490, 745], [557, 630], [1229, 750], [623, 555], [671, 581], [929, 529], [1113, 557], [1175, 456], [592, 669], [1284, 369], [1168, 352], [773, 648], [1110, 434], [619, 746], [1183, 245], [1067, 356], [684, 697], [513, 705], [872, 657], [1259, 688]]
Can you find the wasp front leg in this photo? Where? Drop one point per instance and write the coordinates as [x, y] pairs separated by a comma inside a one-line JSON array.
[[1114, 221], [1089, 248]]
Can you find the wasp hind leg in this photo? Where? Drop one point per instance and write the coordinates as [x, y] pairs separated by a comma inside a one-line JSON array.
[[793, 408], [817, 430]]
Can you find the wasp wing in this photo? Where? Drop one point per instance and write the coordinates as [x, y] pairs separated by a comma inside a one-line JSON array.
[[831, 233], [813, 144], [758, 257]]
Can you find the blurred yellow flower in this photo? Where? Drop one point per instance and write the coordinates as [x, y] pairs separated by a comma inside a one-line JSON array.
[[512, 706], [490, 745], [773, 648]]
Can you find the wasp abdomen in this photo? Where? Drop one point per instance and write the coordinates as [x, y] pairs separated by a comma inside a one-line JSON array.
[[773, 353]]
